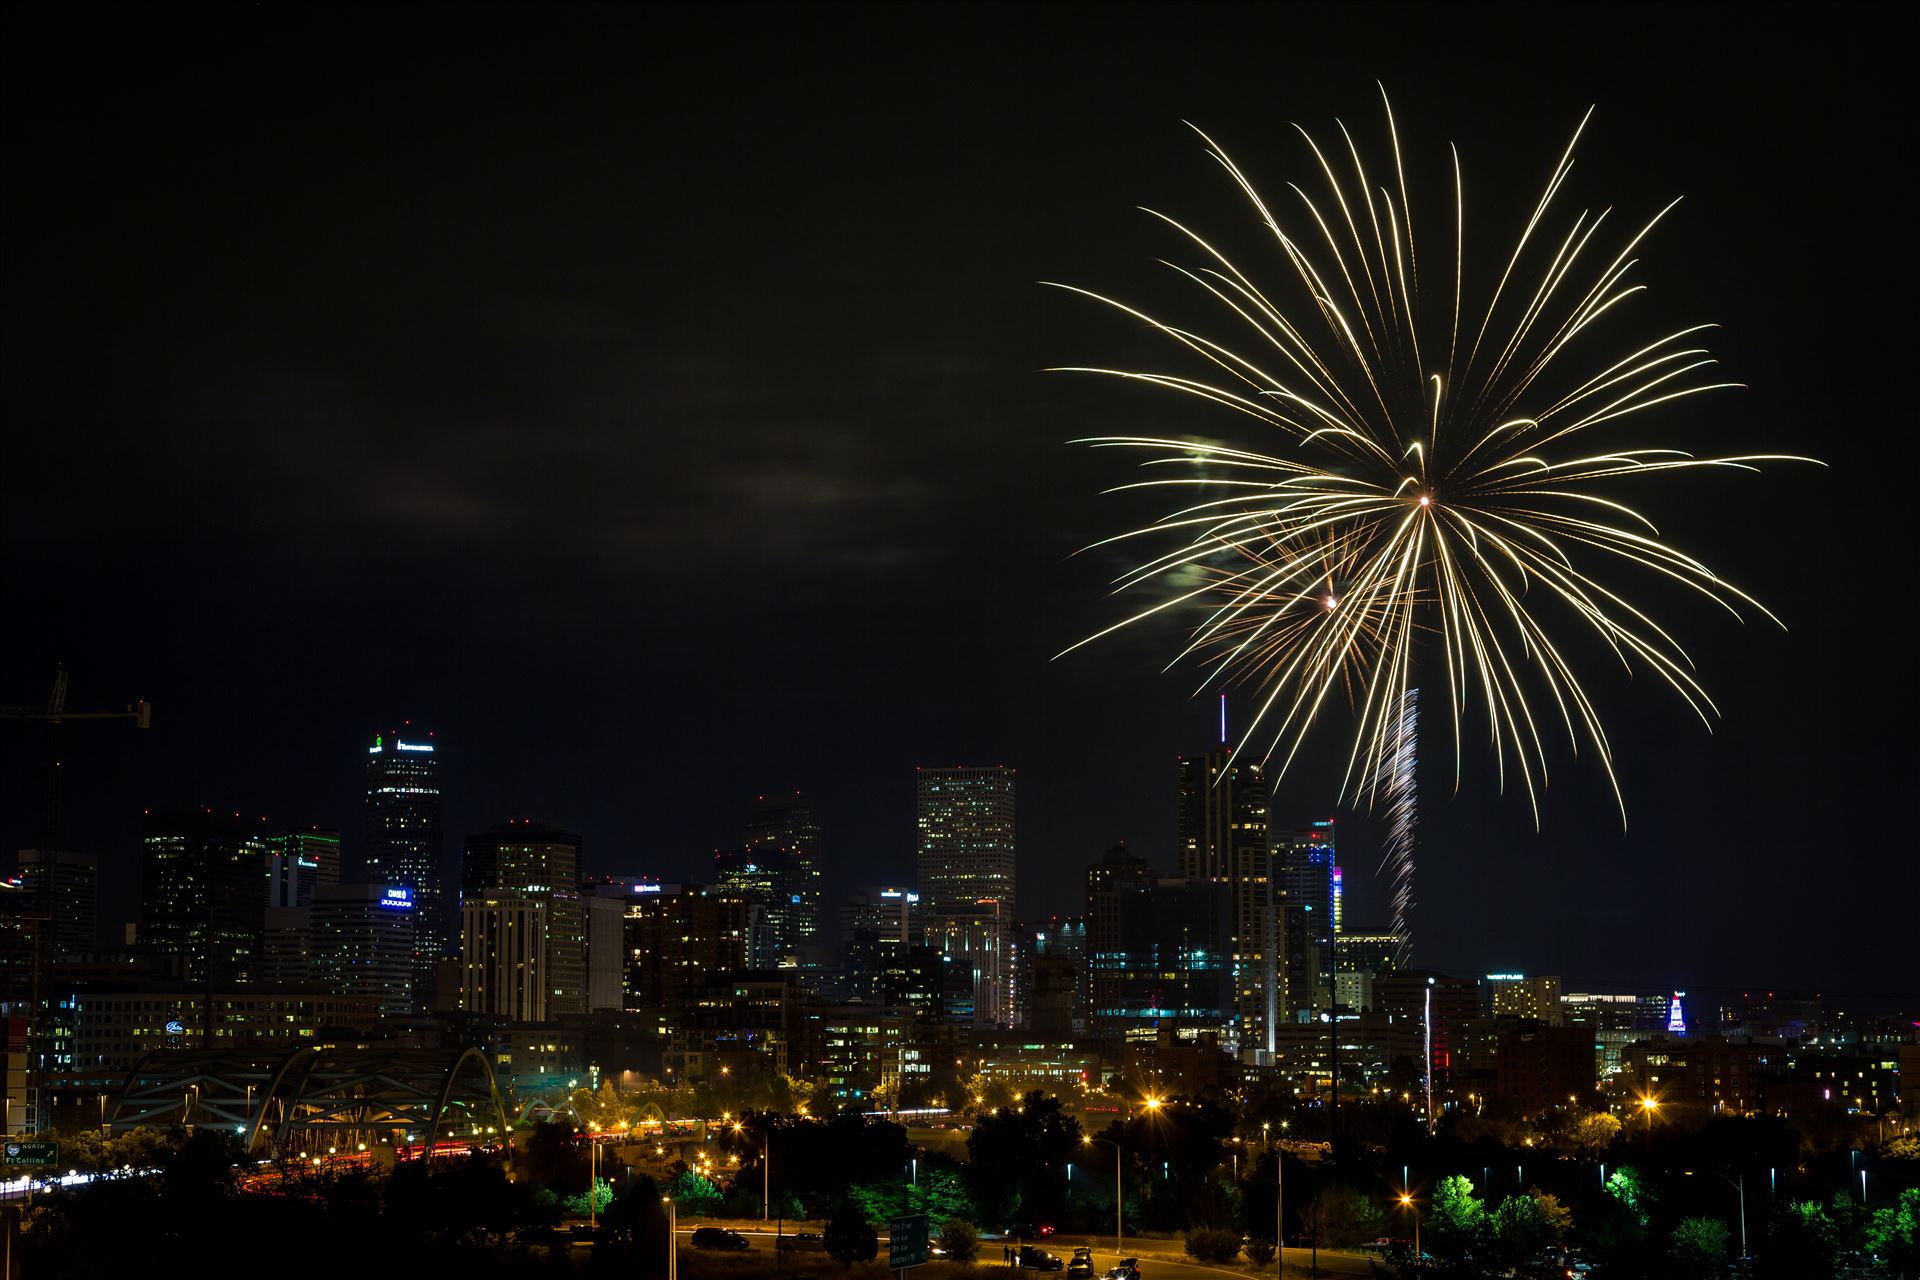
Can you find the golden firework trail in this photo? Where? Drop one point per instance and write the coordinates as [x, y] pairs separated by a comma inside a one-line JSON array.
[[1443, 481]]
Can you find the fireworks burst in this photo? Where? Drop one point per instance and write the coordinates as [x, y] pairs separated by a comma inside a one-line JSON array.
[[1445, 477]]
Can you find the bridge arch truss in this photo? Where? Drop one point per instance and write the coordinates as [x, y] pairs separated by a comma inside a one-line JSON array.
[[319, 1097]]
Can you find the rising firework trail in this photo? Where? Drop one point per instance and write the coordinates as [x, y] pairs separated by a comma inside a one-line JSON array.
[[1444, 479], [1396, 798]]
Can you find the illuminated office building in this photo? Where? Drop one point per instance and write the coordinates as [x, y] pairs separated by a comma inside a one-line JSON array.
[[67, 885], [785, 824], [966, 866], [361, 943], [676, 934], [523, 859], [405, 845], [771, 880], [1516, 995], [1222, 832], [877, 926], [204, 895], [1308, 878], [299, 860], [966, 826], [1163, 966]]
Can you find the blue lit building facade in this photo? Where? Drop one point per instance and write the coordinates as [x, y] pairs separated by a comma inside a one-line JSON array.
[[405, 844]]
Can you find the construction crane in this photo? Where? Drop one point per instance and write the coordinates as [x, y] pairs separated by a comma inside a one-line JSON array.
[[53, 715]]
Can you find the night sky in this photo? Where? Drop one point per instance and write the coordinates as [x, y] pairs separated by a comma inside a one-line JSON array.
[[649, 402]]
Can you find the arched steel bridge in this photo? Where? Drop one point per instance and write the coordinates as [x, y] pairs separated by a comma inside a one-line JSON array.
[[319, 1096]]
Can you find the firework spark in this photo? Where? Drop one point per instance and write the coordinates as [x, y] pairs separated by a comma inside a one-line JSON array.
[[1445, 482], [1397, 798]]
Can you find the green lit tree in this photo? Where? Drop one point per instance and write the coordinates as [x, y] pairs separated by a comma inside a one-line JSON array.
[[1699, 1247]]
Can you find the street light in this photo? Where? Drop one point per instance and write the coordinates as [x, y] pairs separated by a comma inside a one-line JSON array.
[[1406, 1201], [673, 1241], [1649, 1105], [1119, 1201], [593, 1180], [1741, 1187]]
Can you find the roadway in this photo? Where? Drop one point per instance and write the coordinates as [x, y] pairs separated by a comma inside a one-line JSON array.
[[1159, 1259]]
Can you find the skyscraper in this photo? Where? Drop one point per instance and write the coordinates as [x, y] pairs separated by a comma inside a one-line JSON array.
[[966, 865], [299, 860], [405, 846], [966, 822], [361, 943], [771, 879], [786, 824], [204, 895], [1107, 880], [68, 886], [1307, 880], [528, 860], [1223, 839]]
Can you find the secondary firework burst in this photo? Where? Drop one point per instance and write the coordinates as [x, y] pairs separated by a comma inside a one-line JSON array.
[[1444, 482]]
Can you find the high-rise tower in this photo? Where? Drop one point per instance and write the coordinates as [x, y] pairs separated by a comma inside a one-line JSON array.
[[204, 896], [786, 824], [523, 875], [1223, 839], [966, 864], [966, 837], [1307, 875], [405, 845]]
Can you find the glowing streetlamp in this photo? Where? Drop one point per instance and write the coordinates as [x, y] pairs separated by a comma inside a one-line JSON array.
[[673, 1240]]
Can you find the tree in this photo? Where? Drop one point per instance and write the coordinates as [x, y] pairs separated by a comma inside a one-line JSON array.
[[694, 1194], [553, 1158], [1801, 1241], [1341, 1217], [1213, 1245], [1018, 1158], [1699, 1246], [605, 1107], [1523, 1226], [849, 1238], [1457, 1227], [959, 1241], [1630, 1189], [1259, 1251], [1595, 1132], [633, 1232], [1893, 1235]]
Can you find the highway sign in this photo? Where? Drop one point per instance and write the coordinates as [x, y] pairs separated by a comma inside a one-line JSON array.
[[907, 1242], [49, 1153]]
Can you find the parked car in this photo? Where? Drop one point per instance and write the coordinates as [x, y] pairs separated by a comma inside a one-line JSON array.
[[1039, 1259], [802, 1242], [1080, 1266], [1128, 1269], [719, 1238]]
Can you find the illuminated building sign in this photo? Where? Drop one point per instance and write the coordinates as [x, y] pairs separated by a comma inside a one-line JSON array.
[[175, 1027], [399, 897], [414, 746], [646, 888]]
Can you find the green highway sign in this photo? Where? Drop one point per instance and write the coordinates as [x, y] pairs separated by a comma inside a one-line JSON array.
[[46, 1153], [907, 1242]]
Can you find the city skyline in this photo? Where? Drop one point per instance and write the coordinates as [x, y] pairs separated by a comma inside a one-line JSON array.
[[649, 509]]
